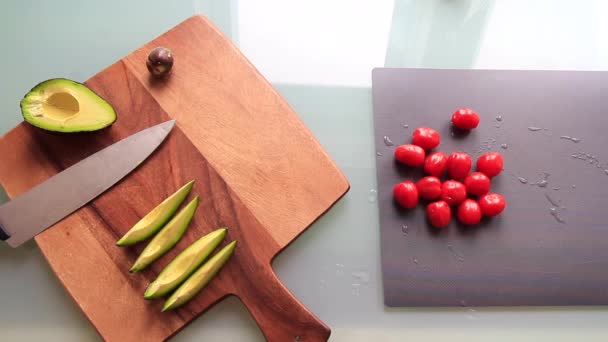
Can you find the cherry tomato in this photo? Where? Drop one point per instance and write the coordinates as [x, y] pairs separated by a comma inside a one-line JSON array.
[[439, 214], [453, 192], [477, 184], [490, 163], [410, 155], [492, 204], [406, 194], [429, 187], [435, 164], [459, 165], [426, 137], [465, 118], [469, 212]]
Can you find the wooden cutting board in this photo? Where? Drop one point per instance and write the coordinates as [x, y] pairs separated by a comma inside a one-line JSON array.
[[525, 256], [259, 171]]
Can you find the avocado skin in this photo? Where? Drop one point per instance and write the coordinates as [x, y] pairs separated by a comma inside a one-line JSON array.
[[171, 276], [200, 278], [72, 83], [168, 237], [166, 209]]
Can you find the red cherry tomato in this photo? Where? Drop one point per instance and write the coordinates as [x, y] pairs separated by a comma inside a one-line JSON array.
[[439, 214], [406, 194], [426, 137], [477, 184], [429, 187], [465, 118], [490, 164], [453, 192], [459, 165], [435, 164], [410, 155], [469, 212], [492, 204]]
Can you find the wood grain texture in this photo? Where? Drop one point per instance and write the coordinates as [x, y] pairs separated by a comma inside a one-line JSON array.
[[251, 156], [524, 256]]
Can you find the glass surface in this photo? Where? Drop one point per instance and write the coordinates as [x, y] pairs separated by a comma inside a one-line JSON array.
[[319, 55]]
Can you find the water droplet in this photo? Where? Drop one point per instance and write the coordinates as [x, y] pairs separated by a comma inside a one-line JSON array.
[[379, 154], [555, 214], [404, 229], [606, 171], [296, 338], [355, 289], [415, 260], [551, 200], [463, 303], [534, 129], [579, 155], [387, 141], [543, 182], [567, 137], [456, 255], [573, 186], [361, 276], [497, 126], [339, 269], [373, 196], [504, 146], [406, 126], [499, 118], [522, 180], [471, 314], [556, 188]]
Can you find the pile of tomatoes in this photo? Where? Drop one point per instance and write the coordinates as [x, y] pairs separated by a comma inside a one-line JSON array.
[[469, 193]]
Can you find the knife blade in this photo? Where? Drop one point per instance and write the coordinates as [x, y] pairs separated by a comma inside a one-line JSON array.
[[47, 203]]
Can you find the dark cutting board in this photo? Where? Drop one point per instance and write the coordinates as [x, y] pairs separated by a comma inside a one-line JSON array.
[[525, 256]]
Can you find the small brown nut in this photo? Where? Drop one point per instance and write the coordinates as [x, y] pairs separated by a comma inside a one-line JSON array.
[[160, 62]]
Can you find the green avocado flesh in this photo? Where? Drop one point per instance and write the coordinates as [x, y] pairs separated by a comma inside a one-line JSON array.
[[199, 279], [184, 264], [62, 105], [167, 237], [157, 218]]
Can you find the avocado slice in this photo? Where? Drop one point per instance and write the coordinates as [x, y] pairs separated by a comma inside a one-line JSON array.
[[156, 218], [199, 279], [184, 264], [167, 237], [62, 105]]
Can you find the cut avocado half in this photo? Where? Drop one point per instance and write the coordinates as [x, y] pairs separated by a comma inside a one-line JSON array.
[[62, 105], [184, 264], [167, 237]]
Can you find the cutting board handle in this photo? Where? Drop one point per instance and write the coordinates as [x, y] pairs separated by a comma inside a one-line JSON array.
[[278, 313]]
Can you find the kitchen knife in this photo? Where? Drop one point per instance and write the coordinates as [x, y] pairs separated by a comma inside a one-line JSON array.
[[47, 203]]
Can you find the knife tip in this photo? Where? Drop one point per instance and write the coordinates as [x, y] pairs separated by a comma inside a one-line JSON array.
[[168, 125]]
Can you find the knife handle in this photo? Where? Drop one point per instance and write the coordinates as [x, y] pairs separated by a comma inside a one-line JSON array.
[[3, 234]]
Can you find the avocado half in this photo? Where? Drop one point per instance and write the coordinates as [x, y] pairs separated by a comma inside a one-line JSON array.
[[62, 105]]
